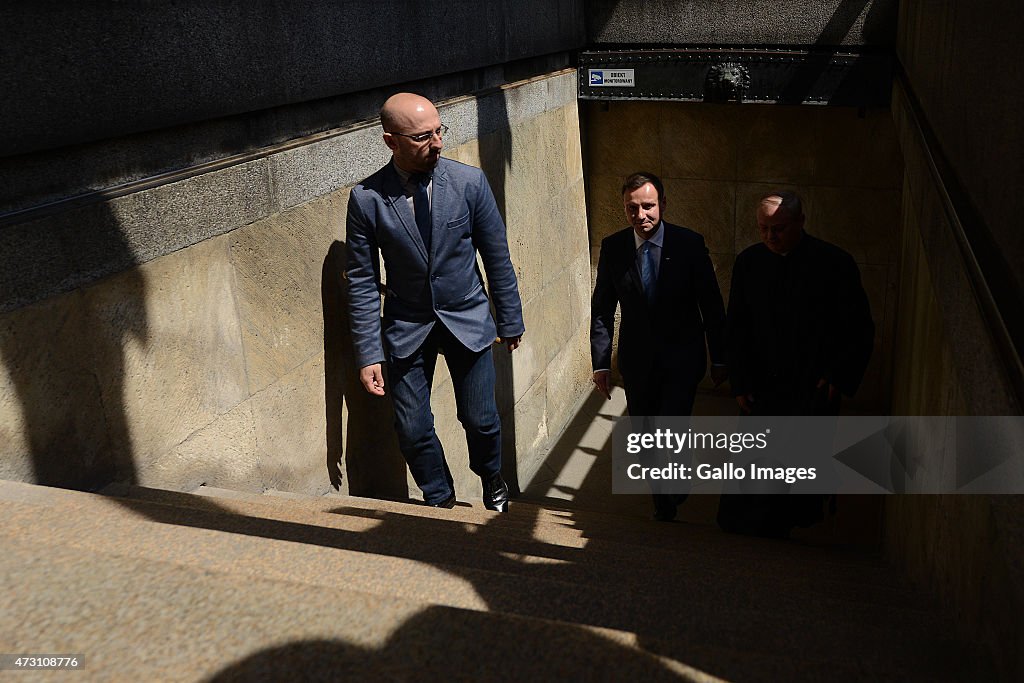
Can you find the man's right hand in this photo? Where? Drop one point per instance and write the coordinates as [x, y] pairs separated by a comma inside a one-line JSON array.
[[602, 381], [373, 379], [745, 402]]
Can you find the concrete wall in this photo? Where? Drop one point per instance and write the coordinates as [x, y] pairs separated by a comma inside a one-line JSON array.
[[101, 102], [967, 550], [942, 326], [717, 160], [193, 60], [749, 22], [956, 56], [172, 193], [220, 354]]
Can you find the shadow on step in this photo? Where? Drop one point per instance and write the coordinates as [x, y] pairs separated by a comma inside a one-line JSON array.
[[445, 644], [741, 609]]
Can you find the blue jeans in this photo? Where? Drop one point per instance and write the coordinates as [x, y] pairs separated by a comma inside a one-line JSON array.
[[473, 380]]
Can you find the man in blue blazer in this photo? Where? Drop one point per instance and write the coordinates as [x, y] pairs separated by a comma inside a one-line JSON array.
[[429, 217], [661, 277]]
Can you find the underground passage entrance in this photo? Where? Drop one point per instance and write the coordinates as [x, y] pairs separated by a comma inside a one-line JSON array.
[[722, 128]]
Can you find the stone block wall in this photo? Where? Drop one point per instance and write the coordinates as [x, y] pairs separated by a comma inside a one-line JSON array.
[[717, 160], [220, 353]]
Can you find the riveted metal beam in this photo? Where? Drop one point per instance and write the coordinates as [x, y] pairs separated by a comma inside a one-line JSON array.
[[756, 75]]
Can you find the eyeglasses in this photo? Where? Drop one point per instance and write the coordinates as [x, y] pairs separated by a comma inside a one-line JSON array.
[[423, 137]]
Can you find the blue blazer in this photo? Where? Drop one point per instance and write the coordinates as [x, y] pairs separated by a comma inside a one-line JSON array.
[[685, 321], [421, 289]]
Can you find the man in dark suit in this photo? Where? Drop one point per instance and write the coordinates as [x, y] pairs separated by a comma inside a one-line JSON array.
[[429, 217], [800, 335], [661, 277]]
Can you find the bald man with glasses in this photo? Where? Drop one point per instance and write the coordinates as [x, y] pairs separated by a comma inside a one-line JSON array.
[[429, 217]]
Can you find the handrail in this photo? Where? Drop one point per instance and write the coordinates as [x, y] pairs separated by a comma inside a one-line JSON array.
[[1003, 312]]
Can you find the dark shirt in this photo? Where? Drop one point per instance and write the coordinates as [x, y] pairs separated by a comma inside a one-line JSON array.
[[795, 319]]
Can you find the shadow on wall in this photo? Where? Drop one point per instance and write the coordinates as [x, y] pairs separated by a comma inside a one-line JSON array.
[[373, 463], [68, 359], [66, 356], [879, 28], [496, 161]]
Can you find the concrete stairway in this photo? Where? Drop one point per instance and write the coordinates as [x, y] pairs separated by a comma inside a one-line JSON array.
[[158, 585]]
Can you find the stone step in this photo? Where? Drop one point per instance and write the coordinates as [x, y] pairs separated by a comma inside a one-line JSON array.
[[136, 619], [528, 506], [599, 529], [710, 614], [683, 548], [479, 548], [751, 664], [585, 524]]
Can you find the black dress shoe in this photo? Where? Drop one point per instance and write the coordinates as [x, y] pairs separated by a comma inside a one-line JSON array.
[[448, 502], [495, 493]]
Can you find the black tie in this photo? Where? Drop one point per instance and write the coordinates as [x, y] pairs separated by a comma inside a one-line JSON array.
[[421, 202], [647, 271]]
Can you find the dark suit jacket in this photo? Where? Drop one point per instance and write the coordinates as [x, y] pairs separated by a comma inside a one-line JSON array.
[[421, 289], [795, 319], [687, 308]]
